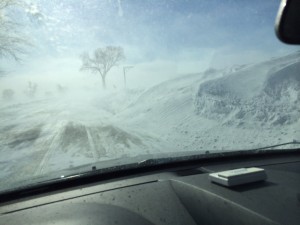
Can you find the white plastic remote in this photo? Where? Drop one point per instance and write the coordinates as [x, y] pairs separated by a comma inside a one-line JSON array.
[[238, 176]]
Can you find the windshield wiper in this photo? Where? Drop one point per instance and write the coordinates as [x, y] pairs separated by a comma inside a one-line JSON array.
[[278, 145]]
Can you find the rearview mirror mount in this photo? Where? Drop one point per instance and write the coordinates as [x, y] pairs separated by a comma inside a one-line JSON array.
[[288, 22]]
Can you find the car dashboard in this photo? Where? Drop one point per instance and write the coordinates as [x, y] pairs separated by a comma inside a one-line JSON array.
[[179, 195]]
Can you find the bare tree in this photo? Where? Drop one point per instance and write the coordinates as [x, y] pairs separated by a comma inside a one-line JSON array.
[[102, 60], [6, 3], [12, 42]]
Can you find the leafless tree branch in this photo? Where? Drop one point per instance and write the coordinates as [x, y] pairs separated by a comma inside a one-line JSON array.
[[102, 61], [12, 44]]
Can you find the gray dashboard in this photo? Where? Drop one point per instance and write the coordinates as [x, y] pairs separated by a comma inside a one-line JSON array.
[[170, 197]]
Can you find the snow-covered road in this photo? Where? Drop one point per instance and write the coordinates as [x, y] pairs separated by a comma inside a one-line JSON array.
[[44, 135], [190, 113]]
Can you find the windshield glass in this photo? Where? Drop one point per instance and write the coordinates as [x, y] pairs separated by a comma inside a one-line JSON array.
[[95, 80]]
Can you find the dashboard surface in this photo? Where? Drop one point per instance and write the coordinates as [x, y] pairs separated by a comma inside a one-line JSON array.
[[178, 196]]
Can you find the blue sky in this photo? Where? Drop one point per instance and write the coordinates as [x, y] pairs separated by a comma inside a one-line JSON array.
[[160, 28], [174, 36]]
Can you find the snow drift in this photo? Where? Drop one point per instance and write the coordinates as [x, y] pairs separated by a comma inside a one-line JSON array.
[[267, 93]]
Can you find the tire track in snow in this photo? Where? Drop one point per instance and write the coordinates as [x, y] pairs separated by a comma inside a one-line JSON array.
[[50, 149], [34, 151], [30, 139], [96, 154]]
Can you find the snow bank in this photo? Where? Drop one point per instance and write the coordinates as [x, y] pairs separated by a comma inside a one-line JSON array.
[[262, 94]]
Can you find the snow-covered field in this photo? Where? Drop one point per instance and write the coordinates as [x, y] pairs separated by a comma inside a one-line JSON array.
[[243, 107]]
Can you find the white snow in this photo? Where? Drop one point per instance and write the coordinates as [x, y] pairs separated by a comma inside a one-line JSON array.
[[239, 108]]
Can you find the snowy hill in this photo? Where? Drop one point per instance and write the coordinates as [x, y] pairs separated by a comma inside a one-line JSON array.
[[235, 108]]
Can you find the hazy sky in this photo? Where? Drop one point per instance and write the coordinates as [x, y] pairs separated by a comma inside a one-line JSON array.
[[191, 35], [158, 28]]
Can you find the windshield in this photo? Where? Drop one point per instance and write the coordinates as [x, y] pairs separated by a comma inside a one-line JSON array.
[[95, 80]]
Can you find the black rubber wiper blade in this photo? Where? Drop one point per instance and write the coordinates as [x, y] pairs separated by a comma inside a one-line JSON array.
[[278, 145]]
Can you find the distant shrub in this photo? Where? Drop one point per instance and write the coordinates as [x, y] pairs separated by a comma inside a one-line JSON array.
[[31, 89], [61, 89], [8, 94]]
